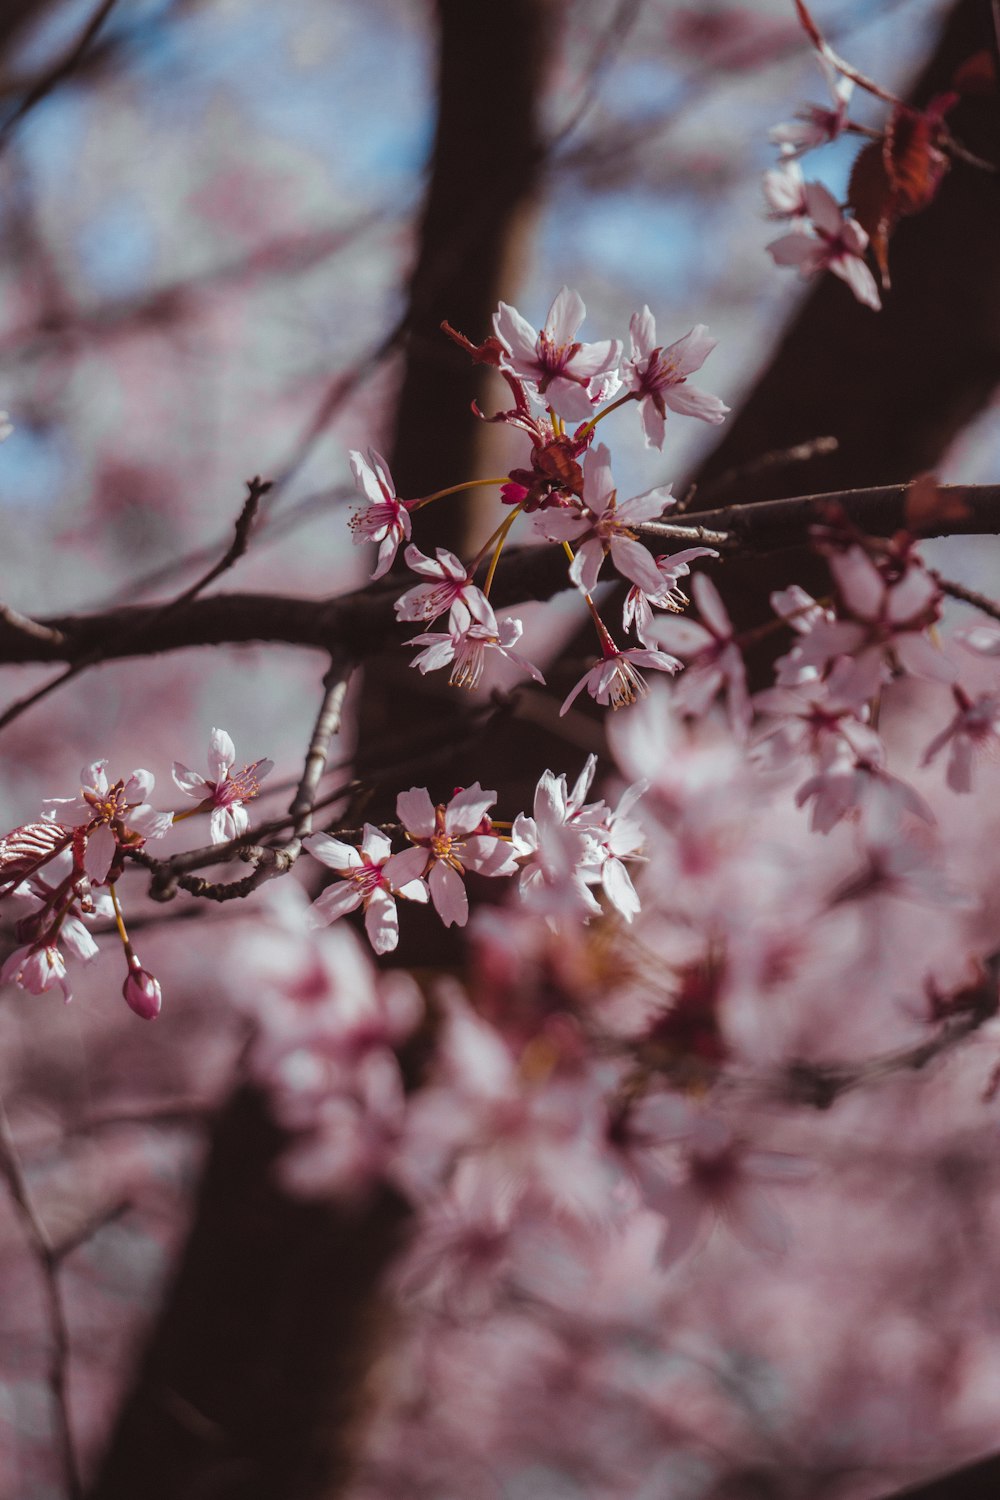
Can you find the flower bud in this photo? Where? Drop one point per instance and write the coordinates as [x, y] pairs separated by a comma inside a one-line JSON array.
[[143, 994]]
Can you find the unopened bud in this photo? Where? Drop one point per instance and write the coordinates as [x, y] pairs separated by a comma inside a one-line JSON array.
[[143, 994]]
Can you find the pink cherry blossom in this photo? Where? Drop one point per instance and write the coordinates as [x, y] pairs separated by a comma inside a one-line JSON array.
[[614, 679], [385, 519], [555, 850], [637, 610], [571, 378], [848, 786], [117, 816], [464, 646], [835, 244], [455, 838], [606, 527], [453, 585], [975, 728], [881, 624], [785, 191], [225, 794], [36, 970], [714, 659], [371, 877], [658, 376], [709, 1174], [816, 124]]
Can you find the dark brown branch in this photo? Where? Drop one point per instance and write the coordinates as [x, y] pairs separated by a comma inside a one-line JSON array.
[[360, 622]]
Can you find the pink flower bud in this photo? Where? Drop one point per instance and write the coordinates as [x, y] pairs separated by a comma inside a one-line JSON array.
[[143, 994]]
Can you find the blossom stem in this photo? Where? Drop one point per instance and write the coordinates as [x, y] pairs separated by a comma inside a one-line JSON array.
[[502, 529], [602, 629], [501, 538], [120, 924], [453, 489], [621, 401]]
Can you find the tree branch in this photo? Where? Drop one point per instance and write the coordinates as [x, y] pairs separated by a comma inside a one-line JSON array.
[[358, 623]]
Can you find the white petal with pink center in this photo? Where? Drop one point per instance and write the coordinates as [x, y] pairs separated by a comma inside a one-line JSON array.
[[570, 377]]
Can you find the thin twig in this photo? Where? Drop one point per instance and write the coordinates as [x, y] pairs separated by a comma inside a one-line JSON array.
[[47, 1259], [62, 70], [268, 859], [150, 616], [967, 596], [257, 488], [777, 458]]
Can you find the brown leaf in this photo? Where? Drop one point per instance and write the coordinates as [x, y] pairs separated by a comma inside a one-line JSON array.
[[914, 164], [870, 195], [927, 506]]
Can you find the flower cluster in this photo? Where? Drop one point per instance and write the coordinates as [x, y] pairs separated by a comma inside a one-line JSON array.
[[566, 847], [898, 172], [568, 489], [63, 871]]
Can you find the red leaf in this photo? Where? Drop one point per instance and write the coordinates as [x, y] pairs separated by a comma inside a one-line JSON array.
[[25, 849]]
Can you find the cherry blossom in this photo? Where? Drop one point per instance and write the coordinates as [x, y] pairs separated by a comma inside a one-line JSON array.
[[555, 848], [616, 837], [456, 838], [116, 817], [614, 680], [606, 527], [385, 519], [570, 377], [658, 376], [714, 659], [36, 970], [710, 1174], [819, 718], [815, 125], [371, 877], [225, 794], [637, 610], [881, 625], [975, 727], [847, 786], [834, 244], [453, 585], [785, 191], [465, 644]]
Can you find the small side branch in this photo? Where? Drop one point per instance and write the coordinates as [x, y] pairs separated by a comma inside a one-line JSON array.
[[257, 488], [171, 875], [51, 80], [47, 1257]]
